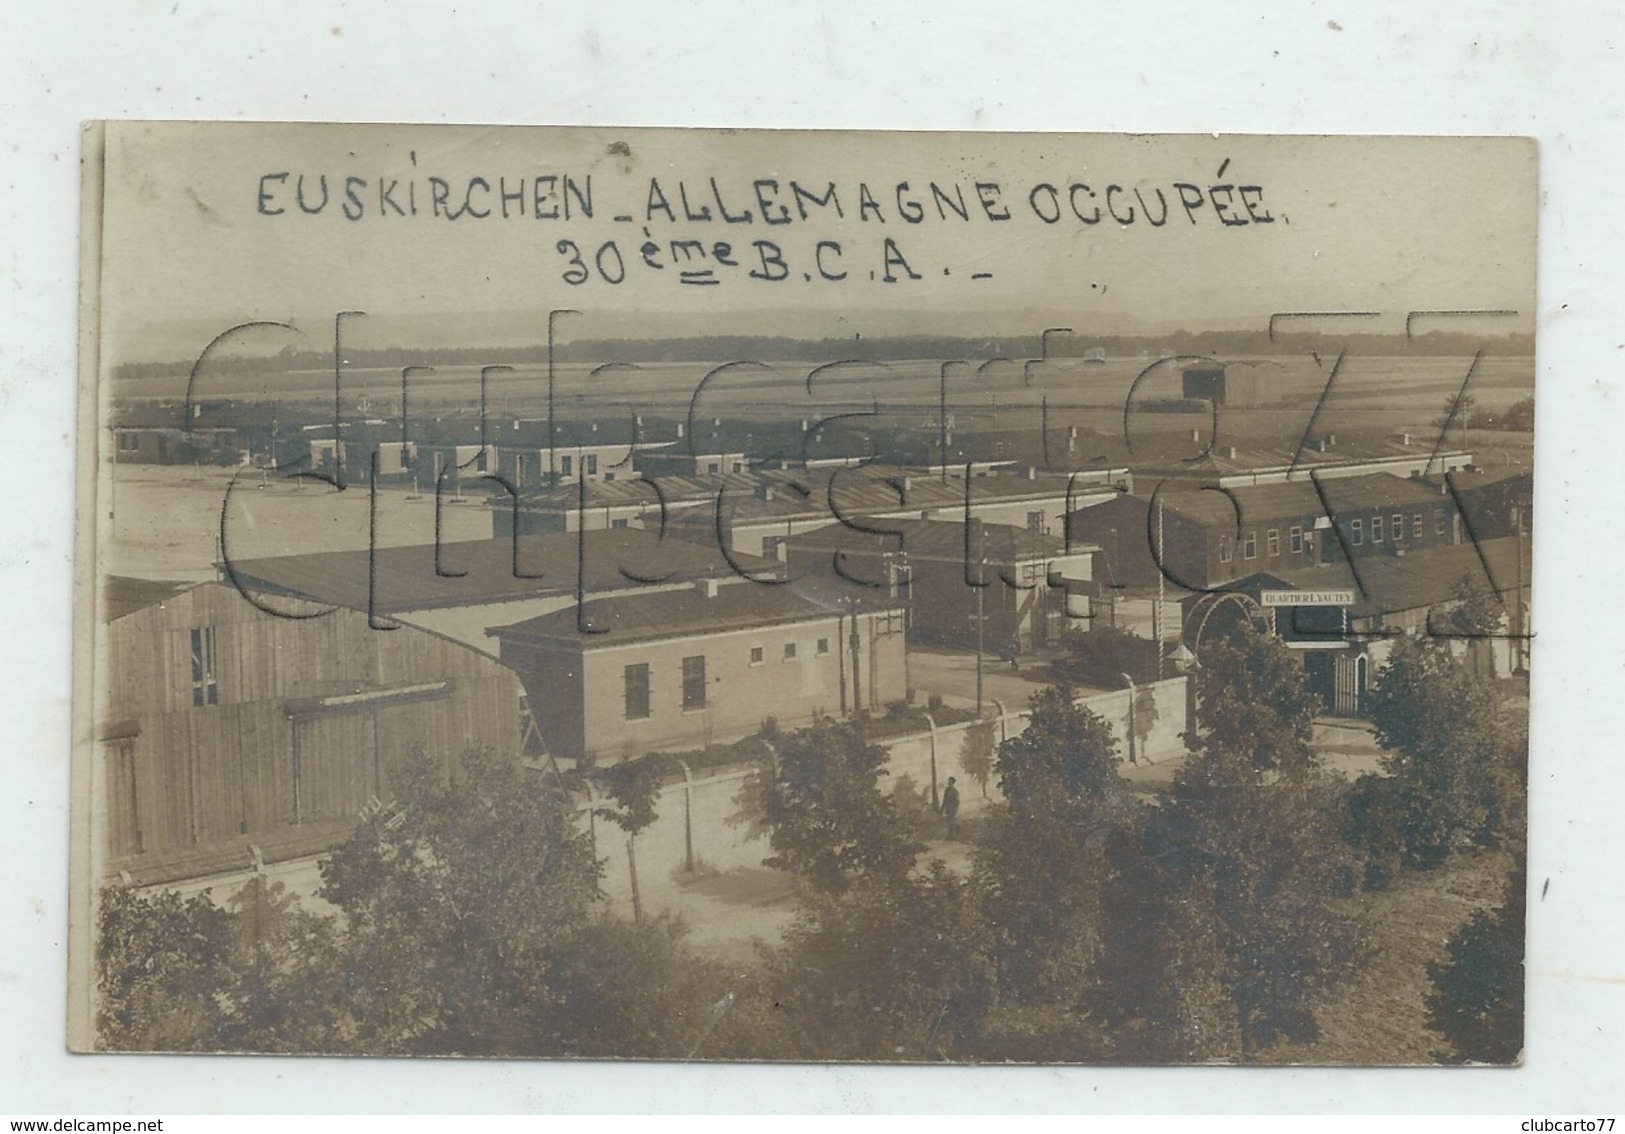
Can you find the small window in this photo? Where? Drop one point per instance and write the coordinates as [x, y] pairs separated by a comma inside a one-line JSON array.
[[1035, 522], [1273, 542], [129, 442], [1357, 532], [590, 464], [1224, 549], [756, 655], [694, 682], [637, 691], [739, 466], [1398, 522], [1249, 546], [1294, 539], [1376, 529], [713, 467], [1416, 525], [1440, 520], [789, 651], [567, 466], [205, 684], [823, 646]]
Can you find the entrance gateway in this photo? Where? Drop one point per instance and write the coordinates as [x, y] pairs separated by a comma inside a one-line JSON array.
[[1338, 670]]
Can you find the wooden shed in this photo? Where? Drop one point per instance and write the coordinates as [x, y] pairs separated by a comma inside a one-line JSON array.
[[227, 731]]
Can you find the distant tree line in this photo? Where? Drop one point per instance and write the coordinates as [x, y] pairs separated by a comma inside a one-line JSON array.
[[783, 348]]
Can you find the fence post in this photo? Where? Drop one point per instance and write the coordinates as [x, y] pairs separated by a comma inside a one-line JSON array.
[[931, 722], [688, 816]]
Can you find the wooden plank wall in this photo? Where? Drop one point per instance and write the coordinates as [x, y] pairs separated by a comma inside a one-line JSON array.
[[214, 775]]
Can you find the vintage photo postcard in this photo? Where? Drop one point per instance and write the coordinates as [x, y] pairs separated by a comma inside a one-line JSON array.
[[688, 594]]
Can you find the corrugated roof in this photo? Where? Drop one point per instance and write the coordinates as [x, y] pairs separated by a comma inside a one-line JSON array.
[[940, 539], [406, 580], [1168, 452], [1300, 498], [879, 490], [796, 493], [620, 619], [630, 490], [1419, 579], [123, 595]]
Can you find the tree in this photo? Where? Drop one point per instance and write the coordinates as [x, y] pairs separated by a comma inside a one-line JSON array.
[[827, 820], [1460, 409], [163, 974], [892, 968], [459, 906], [1520, 415], [1475, 612], [1477, 998], [1041, 859], [1104, 656], [976, 753], [1254, 707], [1439, 725], [1248, 854], [634, 991], [634, 786], [285, 989]]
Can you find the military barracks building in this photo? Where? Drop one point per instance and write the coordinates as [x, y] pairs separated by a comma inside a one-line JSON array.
[[1209, 537], [636, 673], [1036, 586]]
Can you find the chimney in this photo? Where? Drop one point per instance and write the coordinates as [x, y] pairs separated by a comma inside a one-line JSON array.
[[1331, 439], [1196, 435], [1032, 473], [595, 427], [1405, 439], [681, 429], [764, 491], [1231, 452], [707, 586]]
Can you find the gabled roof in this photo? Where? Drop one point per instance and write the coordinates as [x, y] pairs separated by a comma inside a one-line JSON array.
[[1418, 579], [629, 491], [780, 494], [621, 619], [1297, 499], [1172, 452], [616, 559], [932, 539], [123, 595]]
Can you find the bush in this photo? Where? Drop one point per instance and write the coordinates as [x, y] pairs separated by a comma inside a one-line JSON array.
[[1102, 657]]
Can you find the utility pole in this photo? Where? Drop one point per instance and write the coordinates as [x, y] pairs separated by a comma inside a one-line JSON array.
[[981, 586], [552, 415], [1162, 583], [979, 652]]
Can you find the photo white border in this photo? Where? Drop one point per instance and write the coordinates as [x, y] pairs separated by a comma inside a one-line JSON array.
[[1388, 66]]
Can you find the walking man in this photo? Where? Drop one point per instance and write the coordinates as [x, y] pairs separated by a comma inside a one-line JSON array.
[[950, 808]]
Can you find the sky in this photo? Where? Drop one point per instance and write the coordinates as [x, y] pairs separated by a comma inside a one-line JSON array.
[[207, 225]]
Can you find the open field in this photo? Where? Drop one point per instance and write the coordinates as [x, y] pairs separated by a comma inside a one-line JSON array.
[[166, 519], [1391, 383]]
